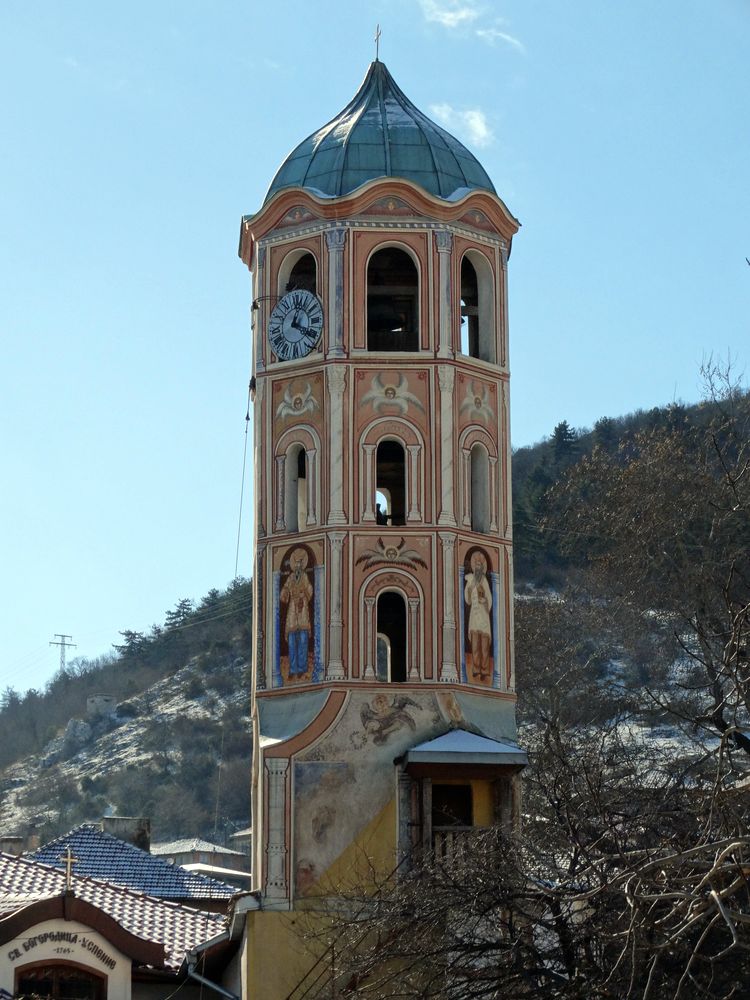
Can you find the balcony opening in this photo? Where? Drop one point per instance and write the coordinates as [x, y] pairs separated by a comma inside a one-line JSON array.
[[480, 489], [392, 301], [452, 817], [391, 633], [390, 483]]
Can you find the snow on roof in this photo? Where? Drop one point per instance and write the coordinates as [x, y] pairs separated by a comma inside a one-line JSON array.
[[101, 855], [187, 844], [179, 928], [461, 746]]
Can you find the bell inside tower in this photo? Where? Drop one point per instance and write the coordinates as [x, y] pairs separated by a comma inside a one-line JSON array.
[[392, 301]]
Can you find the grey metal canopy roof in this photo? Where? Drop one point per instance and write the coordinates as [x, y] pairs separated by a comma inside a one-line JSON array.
[[380, 133], [461, 747]]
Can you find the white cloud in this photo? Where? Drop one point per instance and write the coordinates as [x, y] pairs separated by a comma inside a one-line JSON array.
[[470, 124], [492, 35], [449, 13]]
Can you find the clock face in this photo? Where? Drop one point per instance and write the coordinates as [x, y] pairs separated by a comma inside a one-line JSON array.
[[295, 325]]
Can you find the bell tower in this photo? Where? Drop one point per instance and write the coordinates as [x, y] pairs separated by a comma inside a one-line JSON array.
[[383, 680]]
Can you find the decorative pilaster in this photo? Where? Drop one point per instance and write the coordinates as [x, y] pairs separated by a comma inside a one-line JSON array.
[[368, 514], [370, 643], [276, 852], [444, 243], [414, 450], [336, 379], [335, 670], [448, 671], [258, 324], [446, 379], [280, 522], [493, 493], [312, 486], [414, 639], [335, 240], [503, 319]]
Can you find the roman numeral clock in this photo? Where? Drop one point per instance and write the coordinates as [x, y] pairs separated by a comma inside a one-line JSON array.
[[295, 325]]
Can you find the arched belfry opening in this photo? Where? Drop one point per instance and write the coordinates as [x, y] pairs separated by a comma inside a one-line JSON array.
[[480, 489], [392, 301], [296, 489], [390, 483], [477, 308], [299, 270], [391, 637]]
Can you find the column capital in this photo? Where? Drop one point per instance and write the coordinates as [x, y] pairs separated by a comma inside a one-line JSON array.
[[443, 241], [446, 378], [337, 539], [336, 379], [277, 765], [448, 539], [335, 239]]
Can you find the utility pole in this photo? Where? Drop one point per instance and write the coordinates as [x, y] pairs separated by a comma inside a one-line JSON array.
[[63, 646]]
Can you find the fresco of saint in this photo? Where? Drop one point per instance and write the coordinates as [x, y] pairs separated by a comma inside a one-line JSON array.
[[297, 595], [478, 597]]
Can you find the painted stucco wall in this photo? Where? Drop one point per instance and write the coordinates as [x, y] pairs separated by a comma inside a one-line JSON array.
[[67, 941]]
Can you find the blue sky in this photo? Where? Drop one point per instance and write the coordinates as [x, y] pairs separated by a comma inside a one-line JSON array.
[[135, 136]]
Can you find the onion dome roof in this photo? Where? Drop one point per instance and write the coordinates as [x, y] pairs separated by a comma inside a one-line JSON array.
[[380, 133]]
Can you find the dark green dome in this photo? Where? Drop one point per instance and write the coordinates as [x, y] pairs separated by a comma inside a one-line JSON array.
[[380, 133]]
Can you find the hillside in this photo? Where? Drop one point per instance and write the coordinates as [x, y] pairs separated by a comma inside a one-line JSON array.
[[177, 745]]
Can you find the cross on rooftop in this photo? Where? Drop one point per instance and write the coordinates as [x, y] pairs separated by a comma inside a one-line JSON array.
[[69, 861], [378, 33]]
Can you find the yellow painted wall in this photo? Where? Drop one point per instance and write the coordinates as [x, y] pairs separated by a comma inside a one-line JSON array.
[[280, 951]]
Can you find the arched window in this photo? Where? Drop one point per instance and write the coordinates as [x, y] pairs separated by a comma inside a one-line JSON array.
[[392, 301], [296, 489], [58, 981], [390, 483], [480, 489], [391, 637], [298, 270], [477, 308]]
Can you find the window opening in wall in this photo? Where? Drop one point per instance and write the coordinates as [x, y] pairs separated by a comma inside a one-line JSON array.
[[469, 309], [392, 627], [480, 489], [303, 275], [383, 651], [296, 489], [451, 806], [59, 982], [392, 301], [382, 506], [390, 483]]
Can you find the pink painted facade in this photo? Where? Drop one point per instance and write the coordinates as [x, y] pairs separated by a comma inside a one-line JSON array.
[[375, 630]]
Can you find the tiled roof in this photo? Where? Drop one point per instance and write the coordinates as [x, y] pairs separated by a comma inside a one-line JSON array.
[[178, 928], [191, 844], [101, 855], [380, 133]]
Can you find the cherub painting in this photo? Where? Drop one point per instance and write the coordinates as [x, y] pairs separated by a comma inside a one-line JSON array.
[[380, 718]]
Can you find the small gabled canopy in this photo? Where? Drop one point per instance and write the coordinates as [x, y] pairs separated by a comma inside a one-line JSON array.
[[460, 747], [380, 133]]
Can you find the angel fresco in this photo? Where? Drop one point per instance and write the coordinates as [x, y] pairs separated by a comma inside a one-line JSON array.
[[380, 718]]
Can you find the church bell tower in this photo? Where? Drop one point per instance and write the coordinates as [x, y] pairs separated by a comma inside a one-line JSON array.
[[383, 679]]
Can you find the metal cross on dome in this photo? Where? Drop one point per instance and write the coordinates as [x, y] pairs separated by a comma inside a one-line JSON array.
[[378, 33], [69, 861]]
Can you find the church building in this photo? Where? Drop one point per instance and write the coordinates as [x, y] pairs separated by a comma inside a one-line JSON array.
[[383, 678]]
